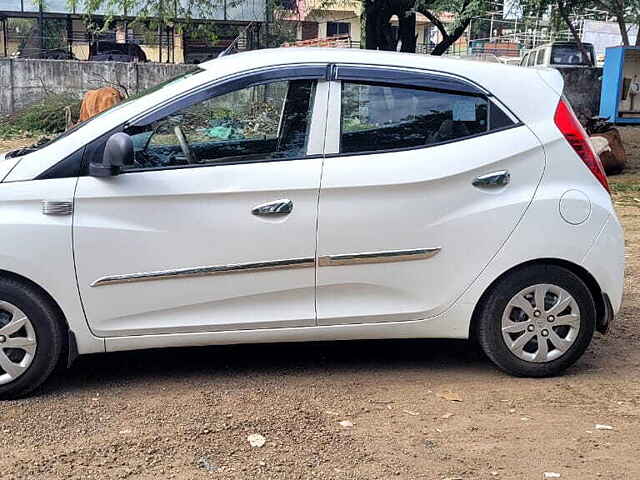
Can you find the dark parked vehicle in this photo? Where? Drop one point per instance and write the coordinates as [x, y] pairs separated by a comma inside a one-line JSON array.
[[102, 51], [52, 54]]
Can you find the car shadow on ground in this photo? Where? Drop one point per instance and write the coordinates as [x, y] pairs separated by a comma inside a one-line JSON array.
[[344, 357]]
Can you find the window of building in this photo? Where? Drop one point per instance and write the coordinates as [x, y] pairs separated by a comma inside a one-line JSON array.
[[338, 28]]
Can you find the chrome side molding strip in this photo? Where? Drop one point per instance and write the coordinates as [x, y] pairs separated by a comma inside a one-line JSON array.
[[378, 257], [205, 271], [326, 261]]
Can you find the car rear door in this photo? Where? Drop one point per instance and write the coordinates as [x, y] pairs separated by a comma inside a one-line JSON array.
[[221, 237], [425, 177]]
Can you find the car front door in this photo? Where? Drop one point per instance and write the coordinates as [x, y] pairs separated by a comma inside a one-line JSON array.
[[425, 176], [214, 226]]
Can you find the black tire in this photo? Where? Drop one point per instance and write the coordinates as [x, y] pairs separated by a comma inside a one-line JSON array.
[[489, 320], [47, 323]]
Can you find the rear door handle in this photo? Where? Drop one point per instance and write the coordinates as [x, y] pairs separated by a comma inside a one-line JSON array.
[[493, 179], [279, 207]]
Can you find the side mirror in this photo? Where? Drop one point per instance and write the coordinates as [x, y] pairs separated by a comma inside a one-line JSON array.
[[118, 152]]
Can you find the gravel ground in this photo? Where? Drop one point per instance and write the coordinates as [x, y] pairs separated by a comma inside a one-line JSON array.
[[417, 409]]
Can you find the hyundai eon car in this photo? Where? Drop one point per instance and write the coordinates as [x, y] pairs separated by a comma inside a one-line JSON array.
[[296, 195]]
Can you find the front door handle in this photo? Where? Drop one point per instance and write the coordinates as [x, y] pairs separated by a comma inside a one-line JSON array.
[[279, 207], [493, 179]]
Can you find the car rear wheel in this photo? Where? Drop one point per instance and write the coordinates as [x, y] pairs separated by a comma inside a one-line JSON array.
[[31, 338], [536, 322]]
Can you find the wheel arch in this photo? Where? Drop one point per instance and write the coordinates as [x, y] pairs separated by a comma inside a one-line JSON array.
[[579, 271], [69, 346]]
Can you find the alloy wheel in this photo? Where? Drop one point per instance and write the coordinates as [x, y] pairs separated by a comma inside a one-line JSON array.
[[540, 323], [17, 342]]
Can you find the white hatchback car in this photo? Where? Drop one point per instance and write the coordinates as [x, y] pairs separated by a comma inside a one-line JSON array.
[[310, 194]]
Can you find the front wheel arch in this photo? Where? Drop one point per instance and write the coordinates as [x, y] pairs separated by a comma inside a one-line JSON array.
[[69, 352], [581, 272]]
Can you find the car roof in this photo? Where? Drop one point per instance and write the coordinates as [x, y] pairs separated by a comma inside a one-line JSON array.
[[296, 55]]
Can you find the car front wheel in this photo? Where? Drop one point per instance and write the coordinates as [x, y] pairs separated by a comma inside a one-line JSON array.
[[30, 338], [536, 322]]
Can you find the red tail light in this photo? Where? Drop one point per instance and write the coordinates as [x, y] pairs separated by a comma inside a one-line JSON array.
[[570, 127]]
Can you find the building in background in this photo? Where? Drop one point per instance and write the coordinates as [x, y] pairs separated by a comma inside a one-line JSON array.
[[605, 34], [52, 29], [333, 23]]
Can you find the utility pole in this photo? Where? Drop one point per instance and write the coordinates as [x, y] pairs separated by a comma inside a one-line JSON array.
[[491, 28], [4, 35], [41, 28]]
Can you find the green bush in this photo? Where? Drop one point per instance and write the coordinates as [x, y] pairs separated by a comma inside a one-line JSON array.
[[48, 116]]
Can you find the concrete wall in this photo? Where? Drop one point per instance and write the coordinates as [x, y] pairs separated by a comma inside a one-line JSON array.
[[582, 89], [24, 81]]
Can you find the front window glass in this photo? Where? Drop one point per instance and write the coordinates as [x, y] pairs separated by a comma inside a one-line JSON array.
[[169, 84], [379, 117], [261, 122]]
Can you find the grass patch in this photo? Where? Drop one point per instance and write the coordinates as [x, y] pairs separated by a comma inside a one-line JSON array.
[[45, 117], [625, 187]]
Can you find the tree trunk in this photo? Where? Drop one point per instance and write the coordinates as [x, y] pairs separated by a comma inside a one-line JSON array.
[[638, 36], [407, 31], [378, 33], [623, 28], [370, 25], [451, 38], [443, 46], [386, 38], [574, 33]]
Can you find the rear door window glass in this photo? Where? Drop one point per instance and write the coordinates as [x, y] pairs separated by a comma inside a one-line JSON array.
[[380, 117]]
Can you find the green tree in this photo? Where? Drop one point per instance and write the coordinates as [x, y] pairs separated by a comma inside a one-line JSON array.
[[561, 14], [379, 34], [463, 11], [625, 12]]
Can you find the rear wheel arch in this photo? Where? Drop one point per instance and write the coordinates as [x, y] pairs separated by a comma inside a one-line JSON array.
[[580, 272]]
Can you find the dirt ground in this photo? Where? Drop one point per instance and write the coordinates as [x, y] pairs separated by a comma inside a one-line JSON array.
[[186, 413]]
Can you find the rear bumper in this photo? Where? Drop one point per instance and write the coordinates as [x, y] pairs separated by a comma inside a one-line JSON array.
[[605, 261]]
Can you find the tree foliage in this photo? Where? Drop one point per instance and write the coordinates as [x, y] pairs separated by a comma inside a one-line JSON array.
[[625, 12], [462, 10], [379, 34]]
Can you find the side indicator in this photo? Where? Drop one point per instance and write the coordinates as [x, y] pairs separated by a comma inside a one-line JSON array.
[[51, 207]]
